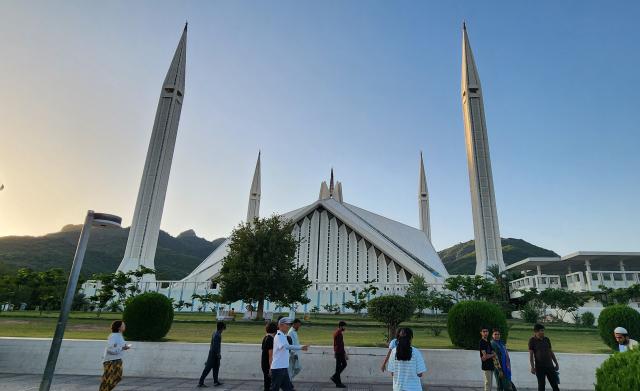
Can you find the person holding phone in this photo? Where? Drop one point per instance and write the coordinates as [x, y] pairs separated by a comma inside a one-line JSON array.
[[112, 359]]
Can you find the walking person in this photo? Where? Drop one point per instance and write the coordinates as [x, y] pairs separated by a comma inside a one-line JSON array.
[[406, 365], [392, 345], [502, 363], [112, 359], [294, 356], [213, 361], [540, 349], [624, 343], [280, 362], [340, 354], [486, 355], [267, 353]]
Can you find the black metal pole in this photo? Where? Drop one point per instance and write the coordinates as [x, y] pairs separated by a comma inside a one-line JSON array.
[[50, 368]]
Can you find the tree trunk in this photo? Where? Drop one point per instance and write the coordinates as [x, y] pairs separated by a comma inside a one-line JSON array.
[[260, 309], [392, 332]]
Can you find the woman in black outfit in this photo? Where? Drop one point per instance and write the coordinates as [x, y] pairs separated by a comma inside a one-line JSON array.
[[267, 353]]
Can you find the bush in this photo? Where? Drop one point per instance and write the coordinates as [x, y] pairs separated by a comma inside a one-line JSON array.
[[148, 317], [530, 313], [620, 372], [618, 316], [465, 319], [391, 310], [588, 319]]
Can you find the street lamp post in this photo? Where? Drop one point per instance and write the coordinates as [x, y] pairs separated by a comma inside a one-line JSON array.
[[102, 220]]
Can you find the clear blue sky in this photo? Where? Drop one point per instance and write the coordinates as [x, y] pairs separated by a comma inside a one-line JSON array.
[[361, 86]]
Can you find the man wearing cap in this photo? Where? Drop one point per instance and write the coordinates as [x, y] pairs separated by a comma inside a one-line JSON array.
[[213, 361], [624, 343], [279, 371], [340, 354]]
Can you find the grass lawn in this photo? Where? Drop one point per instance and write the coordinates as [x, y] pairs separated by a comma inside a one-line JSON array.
[[197, 327]]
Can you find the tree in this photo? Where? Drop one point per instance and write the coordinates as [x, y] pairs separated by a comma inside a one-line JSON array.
[[440, 301], [48, 286], [473, 288], [207, 298], [418, 292], [332, 308], [124, 285], [177, 305], [260, 265], [391, 310], [502, 279], [610, 296], [562, 301], [359, 301]]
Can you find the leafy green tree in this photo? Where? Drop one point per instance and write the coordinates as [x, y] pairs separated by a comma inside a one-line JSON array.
[[207, 298], [418, 292], [124, 286], [502, 279], [359, 301], [473, 288], [609, 296], [391, 310], [332, 308], [440, 301], [562, 301], [315, 310], [177, 305], [260, 265]]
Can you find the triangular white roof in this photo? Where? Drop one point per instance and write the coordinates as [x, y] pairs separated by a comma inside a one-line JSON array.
[[406, 246]]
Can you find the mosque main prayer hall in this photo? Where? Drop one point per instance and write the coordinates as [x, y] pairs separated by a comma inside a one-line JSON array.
[[342, 245]]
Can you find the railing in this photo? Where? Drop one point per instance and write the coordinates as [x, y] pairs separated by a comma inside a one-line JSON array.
[[612, 279], [539, 281], [576, 282]]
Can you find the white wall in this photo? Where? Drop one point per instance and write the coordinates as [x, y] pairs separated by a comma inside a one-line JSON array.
[[242, 361]]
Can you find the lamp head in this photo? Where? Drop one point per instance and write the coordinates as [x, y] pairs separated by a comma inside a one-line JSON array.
[[103, 220]]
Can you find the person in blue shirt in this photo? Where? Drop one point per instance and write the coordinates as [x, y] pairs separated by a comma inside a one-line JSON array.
[[392, 344]]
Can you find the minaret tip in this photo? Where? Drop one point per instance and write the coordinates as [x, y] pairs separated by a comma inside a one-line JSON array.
[[464, 27], [185, 25]]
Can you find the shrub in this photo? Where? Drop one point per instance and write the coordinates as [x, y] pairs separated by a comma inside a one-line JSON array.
[[620, 372], [436, 329], [618, 316], [391, 310], [530, 312], [466, 317], [588, 319], [148, 317]]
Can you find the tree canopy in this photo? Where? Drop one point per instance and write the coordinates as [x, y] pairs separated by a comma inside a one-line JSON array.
[[261, 265]]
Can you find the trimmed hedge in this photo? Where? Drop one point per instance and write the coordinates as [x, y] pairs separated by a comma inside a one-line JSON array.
[[148, 317], [620, 372], [465, 318], [588, 319], [618, 316]]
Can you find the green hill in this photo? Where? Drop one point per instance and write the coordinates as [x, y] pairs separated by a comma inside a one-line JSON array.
[[461, 258], [176, 257]]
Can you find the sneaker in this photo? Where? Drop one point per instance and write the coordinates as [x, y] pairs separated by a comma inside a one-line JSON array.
[[341, 385], [202, 385]]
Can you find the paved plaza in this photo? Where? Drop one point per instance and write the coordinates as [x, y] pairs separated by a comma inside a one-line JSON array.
[[17, 382]]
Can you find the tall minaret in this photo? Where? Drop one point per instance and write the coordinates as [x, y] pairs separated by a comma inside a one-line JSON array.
[[423, 200], [483, 200], [254, 195], [143, 236]]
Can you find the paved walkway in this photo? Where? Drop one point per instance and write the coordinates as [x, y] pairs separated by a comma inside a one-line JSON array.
[[16, 382]]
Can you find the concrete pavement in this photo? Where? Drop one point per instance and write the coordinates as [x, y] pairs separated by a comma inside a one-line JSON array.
[[18, 382]]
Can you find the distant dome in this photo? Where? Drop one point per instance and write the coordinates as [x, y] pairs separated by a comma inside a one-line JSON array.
[[186, 233]]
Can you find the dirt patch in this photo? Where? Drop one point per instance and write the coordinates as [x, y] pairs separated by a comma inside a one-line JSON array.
[[18, 322], [88, 327]]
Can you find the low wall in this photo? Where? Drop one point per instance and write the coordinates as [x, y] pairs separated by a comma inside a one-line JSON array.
[[242, 361]]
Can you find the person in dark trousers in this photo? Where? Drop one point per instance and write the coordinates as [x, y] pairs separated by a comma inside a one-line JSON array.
[[280, 359], [267, 353], [540, 349], [340, 354], [486, 355], [213, 361]]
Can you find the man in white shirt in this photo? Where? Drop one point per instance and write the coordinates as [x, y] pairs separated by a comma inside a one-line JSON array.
[[279, 371], [294, 360], [624, 342]]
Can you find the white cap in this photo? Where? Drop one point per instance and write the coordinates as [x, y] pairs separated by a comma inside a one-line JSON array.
[[620, 330], [286, 320]]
